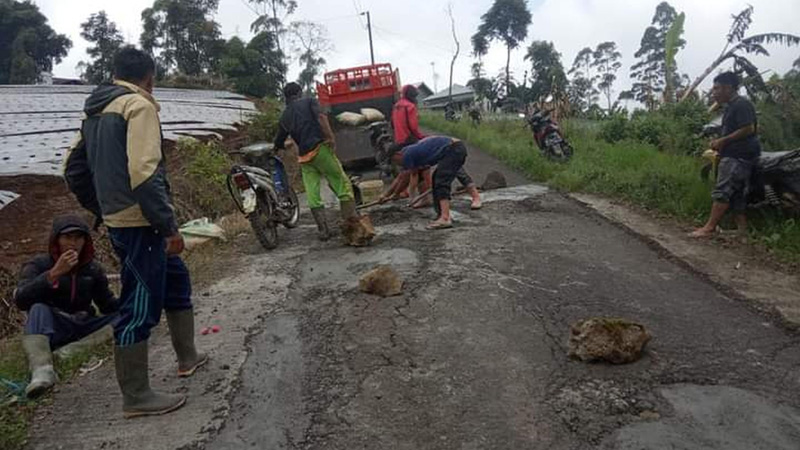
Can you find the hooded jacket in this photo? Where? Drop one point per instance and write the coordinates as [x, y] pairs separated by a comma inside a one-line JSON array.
[[405, 120], [116, 167], [72, 293]]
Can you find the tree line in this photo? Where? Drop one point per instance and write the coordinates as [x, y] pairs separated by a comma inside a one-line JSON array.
[[588, 85], [185, 40]]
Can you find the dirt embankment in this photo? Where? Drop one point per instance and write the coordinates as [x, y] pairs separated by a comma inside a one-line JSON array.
[[25, 223]]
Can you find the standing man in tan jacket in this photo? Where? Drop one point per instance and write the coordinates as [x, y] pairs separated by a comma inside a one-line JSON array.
[[117, 171]]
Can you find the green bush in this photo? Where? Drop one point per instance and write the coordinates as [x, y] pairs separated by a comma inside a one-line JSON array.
[[263, 126], [674, 128], [202, 189]]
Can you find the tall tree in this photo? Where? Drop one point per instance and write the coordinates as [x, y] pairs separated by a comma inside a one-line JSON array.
[[310, 42], [271, 16], [547, 72], [183, 34], [257, 68], [481, 85], [738, 45], [583, 93], [650, 72], [506, 21], [606, 60], [455, 54], [107, 40], [28, 46]]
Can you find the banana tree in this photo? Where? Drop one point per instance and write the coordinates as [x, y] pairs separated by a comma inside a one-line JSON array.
[[738, 45], [671, 46]]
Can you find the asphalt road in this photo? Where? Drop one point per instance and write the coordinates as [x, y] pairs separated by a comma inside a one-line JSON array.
[[473, 355]]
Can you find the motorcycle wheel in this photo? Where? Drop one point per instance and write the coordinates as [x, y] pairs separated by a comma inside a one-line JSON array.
[[560, 152], [263, 226], [294, 217]]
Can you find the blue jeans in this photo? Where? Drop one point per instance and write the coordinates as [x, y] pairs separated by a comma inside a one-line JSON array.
[[62, 328], [151, 281]]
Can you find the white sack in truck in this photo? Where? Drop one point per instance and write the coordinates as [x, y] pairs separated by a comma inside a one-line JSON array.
[[351, 118], [372, 115]]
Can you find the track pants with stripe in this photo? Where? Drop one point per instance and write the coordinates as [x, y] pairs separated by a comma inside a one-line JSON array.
[[151, 282]]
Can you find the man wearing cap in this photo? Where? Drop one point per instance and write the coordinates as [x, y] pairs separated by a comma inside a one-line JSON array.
[[62, 292]]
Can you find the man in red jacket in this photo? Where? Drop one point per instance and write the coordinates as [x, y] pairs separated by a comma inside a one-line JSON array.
[[405, 122], [405, 119]]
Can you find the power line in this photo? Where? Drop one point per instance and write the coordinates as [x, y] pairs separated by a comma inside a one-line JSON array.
[[358, 13]]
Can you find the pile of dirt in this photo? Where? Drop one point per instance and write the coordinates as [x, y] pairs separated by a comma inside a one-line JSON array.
[[616, 341], [382, 281]]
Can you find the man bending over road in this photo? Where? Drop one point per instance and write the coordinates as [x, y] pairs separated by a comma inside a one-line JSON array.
[[448, 155], [739, 149]]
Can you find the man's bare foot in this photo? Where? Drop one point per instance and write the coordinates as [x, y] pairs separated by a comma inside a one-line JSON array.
[[701, 233]]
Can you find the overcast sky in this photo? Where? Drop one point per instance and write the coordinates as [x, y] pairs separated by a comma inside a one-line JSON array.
[[412, 34]]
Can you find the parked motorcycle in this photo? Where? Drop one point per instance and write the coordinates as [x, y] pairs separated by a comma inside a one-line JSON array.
[[775, 182], [776, 178], [548, 136], [262, 193]]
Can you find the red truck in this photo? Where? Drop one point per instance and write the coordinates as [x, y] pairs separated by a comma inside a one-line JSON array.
[[377, 87]]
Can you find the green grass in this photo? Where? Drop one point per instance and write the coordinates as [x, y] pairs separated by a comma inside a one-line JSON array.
[[16, 416], [633, 171]]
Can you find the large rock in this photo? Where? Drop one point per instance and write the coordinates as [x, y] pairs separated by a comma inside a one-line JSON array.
[[358, 231], [617, 341], [383, 281], [495, 180]]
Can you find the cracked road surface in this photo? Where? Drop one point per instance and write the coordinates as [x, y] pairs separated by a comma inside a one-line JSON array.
[[473, 355]]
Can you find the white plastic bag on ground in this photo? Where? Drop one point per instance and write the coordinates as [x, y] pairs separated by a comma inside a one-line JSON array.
[[372, 115], [200, 231], [351, 118]]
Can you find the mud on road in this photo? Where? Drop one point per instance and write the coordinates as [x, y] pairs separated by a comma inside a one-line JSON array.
[[473, 355]]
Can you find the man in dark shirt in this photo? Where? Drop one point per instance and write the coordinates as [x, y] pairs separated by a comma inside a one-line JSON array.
[[311, 131], [60, 291], [448, 155], [738, 148]]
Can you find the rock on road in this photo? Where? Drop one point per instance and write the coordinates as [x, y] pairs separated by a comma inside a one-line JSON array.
[[473, 355]]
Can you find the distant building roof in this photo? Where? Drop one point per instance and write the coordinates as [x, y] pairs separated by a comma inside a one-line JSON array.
[[460, 94], [424, 90], [39, 122]]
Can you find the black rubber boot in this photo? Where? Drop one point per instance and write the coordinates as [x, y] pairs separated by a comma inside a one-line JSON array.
[[181, 330], [323, 232], [138, 399]]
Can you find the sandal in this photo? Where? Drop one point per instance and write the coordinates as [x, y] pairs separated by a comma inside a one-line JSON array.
[[439, 224]]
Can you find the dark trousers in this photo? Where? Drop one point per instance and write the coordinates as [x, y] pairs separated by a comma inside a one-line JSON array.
[[62, 328], [464, 178], [447, 170], [151, 281]]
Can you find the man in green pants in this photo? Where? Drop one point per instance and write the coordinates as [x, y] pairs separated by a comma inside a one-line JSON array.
[[309, 128]]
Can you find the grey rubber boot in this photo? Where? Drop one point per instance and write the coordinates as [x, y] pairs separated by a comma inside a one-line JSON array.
[[348, 209], [40, 360], [137, 398], [323, 232], [181, 329]]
